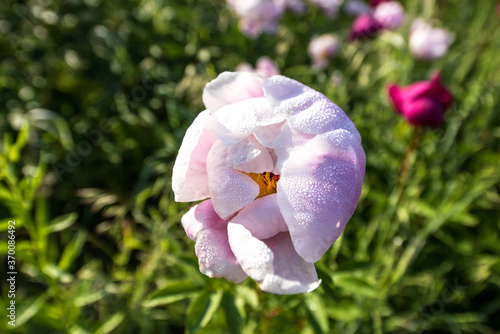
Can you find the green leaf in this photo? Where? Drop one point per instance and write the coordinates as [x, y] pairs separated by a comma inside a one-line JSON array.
[[355, 285], [22, 139], [316, 313], [27, 313], [72, 250], [111, 324], [233, 317], [62, 222], [171, 293], [201, 310]]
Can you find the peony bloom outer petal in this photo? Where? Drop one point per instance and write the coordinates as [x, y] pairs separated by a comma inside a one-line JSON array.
[[262, 217], [215, 256], [201, 217], [304, 108], [237, 121], [318, 190], [231, 87], [273, 262], [189, 176]]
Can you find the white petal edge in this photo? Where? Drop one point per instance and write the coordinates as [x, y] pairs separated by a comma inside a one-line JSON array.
[[272, 263], [304, 108], [231, 87], [189, 176]]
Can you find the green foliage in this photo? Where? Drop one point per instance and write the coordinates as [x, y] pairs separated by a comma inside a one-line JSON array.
[[95, 98]]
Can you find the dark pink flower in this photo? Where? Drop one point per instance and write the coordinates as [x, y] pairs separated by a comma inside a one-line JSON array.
[[365, 27], [422, 103], [375, 3]]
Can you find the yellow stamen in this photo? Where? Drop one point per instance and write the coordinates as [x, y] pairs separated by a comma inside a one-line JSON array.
[[267, 182]]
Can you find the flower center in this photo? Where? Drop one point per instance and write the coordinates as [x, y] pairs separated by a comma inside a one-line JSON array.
[[267, 182]]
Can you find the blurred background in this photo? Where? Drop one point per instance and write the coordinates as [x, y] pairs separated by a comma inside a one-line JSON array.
[[95, 97]]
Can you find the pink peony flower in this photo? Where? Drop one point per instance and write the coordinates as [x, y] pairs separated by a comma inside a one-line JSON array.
[[422, 103], [265, 66], [322, 48], [296, 6], [357, 7], [390, 15], [364, 27], [280, 168], [329, 7], [257, 16], [427, 42]]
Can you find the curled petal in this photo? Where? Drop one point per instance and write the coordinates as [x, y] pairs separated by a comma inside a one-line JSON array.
[[266, 134], [273, 262], [231, 87], [189, 177], [201, 217], [288, 140], [237, 121], [262, 217], [304, 108], [230, 189], [318, 190], [215, 256]]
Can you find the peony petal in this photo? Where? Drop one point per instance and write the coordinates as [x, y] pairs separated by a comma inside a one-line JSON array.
[[273, 262], [304, 108], [230, 189], [237, 121], [231, 87], [215, 256], [201, 217], [266, 134], [189, 177], [262, 217], [288, 140], [318, 190], [264, 162]]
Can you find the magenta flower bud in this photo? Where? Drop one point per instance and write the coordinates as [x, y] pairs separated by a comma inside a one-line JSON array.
[[422, 103], [375, 3], [365, 27], [322, 48], [390, 15]]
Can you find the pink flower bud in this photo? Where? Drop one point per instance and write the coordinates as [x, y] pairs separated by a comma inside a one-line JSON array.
[[422, 103], [390, 15], [427, 42], [296, 6], [357, 7], [265, 66], [322, 48], [256, 16], [364, 27], [329, 7]]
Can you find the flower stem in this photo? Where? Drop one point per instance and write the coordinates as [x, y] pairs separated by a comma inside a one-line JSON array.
[[387, 226]]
